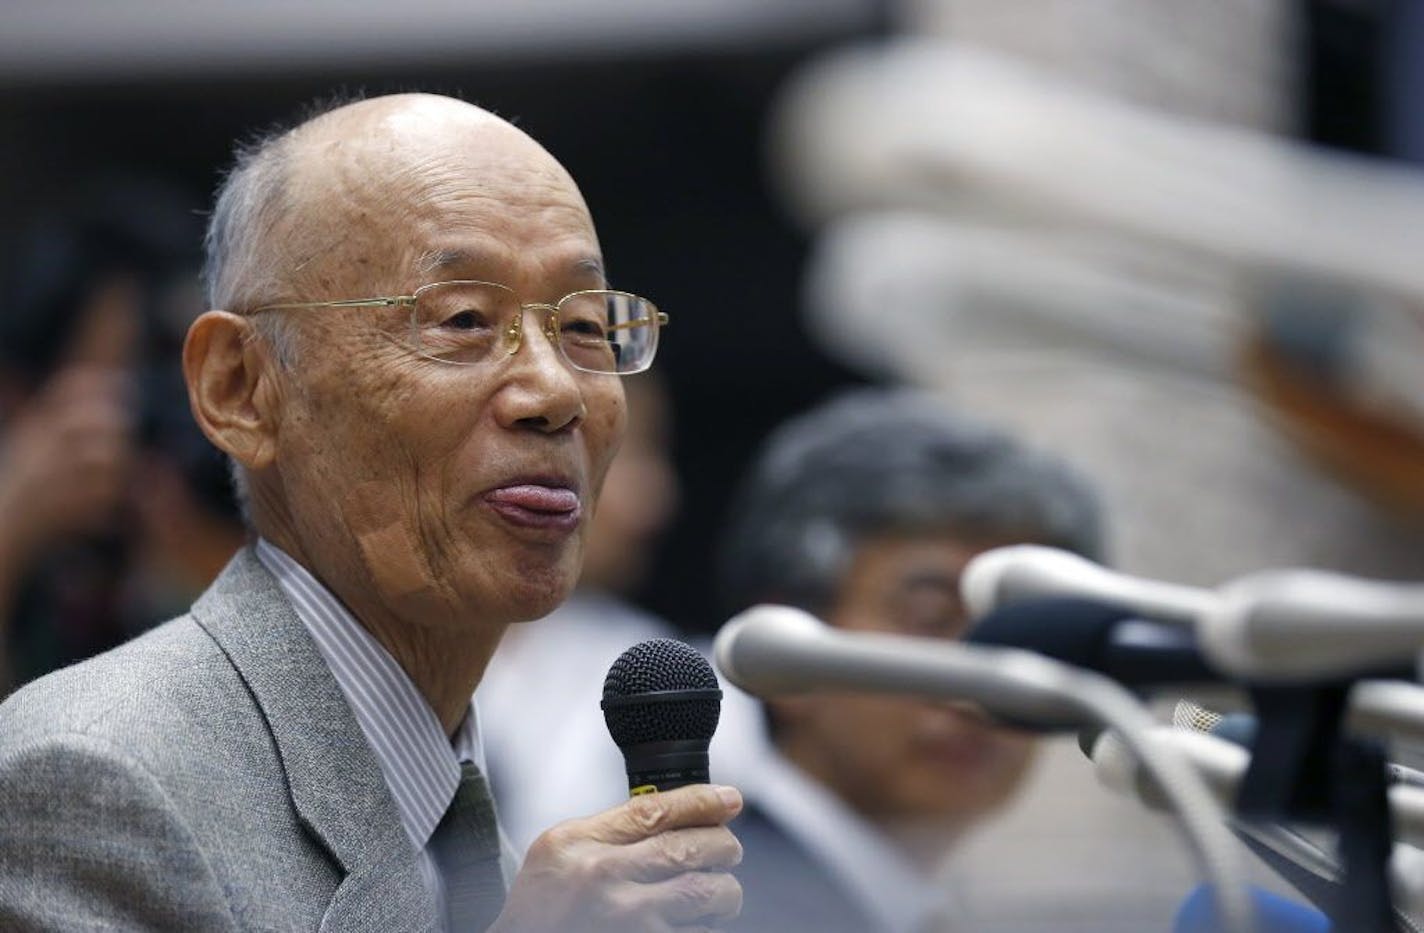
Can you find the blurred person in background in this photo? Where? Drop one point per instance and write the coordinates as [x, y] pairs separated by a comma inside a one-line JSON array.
[[863, 512], [114, 511], [550, 754]]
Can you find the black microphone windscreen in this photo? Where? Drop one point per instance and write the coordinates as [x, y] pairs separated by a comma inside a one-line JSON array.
[[661, 690]]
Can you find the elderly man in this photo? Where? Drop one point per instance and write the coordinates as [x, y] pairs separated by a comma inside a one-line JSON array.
[[864, 511], [416, 375]]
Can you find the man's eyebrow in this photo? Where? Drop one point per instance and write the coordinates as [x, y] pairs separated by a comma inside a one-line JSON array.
[[438, 260], [592, 265], [435, 259]]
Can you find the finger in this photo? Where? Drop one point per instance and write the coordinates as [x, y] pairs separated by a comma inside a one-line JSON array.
[[672, 853], [649, 814], [696, 898]]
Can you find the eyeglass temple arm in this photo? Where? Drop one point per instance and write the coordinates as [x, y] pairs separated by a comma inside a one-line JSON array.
[[398, 301], [662, 322]]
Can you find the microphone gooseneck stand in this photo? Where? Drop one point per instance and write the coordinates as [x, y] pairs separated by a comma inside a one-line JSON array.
[[1304, 767]]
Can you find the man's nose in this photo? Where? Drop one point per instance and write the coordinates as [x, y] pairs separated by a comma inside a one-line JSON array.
[[544, 392]]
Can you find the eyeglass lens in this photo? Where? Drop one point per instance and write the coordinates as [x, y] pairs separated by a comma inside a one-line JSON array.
[[470, 322]]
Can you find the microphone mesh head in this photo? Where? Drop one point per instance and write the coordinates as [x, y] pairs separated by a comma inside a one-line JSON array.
[[656, 668], [1188, 715]]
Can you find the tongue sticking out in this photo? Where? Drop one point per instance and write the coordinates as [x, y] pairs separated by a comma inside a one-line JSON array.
[[552, 499]]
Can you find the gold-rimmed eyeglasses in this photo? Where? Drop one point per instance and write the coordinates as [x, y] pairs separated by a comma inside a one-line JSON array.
[[468, 322]]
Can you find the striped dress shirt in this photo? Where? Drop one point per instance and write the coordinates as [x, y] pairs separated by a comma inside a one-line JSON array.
[[420, 763]]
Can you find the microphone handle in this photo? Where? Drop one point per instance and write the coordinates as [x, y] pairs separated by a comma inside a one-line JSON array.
[[662, 766]]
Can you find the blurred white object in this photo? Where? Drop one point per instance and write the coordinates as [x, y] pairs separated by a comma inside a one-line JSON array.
[[1015, 573], [1222, 766], [1230, 61], [1307, 625], [889, 284], [1085, 272], [933, 124]]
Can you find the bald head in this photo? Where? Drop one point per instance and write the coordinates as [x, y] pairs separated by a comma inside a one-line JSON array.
[[301, 204]]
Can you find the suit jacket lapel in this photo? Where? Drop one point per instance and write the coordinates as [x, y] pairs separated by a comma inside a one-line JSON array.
[[336, 784]]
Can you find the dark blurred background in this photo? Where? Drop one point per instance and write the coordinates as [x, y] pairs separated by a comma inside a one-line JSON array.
[[658, 109]]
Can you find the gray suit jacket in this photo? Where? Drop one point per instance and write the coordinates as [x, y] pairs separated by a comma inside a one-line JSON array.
[[208, 775]]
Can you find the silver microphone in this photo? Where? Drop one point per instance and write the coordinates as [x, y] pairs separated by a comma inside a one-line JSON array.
[[1020, 572], [1306, 624], [774, 650]]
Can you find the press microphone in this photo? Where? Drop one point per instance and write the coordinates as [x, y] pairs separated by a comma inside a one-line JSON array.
[[1387, 709], [661, 703], [1218, 762], [1020, 572], [1290, 625], [1241, 728], [1222, 766], [1098, 636], [775, 650], [1236, 728]]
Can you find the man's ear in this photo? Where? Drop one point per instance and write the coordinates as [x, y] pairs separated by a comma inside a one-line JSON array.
[[232, 387]]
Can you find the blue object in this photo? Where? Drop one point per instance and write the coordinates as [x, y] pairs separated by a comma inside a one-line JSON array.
[[1274, 914]]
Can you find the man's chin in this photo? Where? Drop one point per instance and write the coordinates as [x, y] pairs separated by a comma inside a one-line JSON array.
[[529, 596]]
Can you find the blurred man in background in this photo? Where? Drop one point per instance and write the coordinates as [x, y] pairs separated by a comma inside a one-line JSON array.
[[550, 754], [116, 511], [864, 511]]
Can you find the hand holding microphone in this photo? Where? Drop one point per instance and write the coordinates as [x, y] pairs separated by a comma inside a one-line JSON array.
[[662, 859], [655, 862]]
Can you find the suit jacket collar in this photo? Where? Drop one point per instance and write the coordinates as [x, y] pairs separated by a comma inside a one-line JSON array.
[[336, 784]]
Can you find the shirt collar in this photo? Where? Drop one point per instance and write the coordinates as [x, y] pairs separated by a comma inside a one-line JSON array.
[[878, 873], [420, 763]]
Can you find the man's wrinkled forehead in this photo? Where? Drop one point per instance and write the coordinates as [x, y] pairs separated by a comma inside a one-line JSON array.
[[462, 261], [416, 146], [413, 163]]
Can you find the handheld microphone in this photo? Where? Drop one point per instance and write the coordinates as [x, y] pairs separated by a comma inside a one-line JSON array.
[[1020, 572], [1100, 637], [661, 703], [1308, 624]]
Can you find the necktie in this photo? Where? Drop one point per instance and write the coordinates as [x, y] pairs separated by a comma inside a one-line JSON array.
[[466, 850]]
